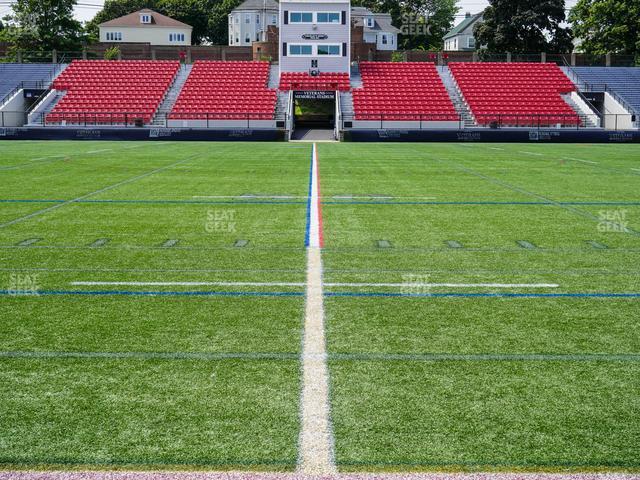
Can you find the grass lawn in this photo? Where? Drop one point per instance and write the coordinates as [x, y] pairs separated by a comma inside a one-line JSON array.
[[481, 305]]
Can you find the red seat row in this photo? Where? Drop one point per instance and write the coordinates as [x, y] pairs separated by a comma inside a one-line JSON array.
[[402, 92], [516, 94], [112, 92], [301, 81], [226, 91]]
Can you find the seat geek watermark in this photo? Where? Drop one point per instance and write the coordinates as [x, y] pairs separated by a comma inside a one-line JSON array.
[[415, 25], [613, 221], [220, 221], [23, 284], [415, 284]]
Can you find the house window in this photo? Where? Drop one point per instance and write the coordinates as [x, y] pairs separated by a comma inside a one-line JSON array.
[[237, 18], [258, 37], [176, 37], [301, 17], [247, 18], [332, 50], [370, 22], [258, 19], [300, 50], [385, 41], [247, 38], [274, 19], [471, 42], [114, 36], [330, 17], [145, 18], [230, 39]]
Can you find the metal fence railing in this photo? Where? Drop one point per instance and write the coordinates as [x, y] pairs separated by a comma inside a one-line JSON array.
[[490, 121], [143, 119]]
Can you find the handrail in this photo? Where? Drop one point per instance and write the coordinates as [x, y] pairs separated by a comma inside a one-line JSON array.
[[593, 87]]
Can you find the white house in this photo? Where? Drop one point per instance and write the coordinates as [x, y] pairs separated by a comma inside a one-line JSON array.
[[249, 22], [460, 38], [377, 28], [146, 26]]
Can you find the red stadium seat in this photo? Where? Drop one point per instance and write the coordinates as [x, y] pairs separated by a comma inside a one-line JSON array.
[[112, 93], [226, 91], [301, 81], [402, 92], [515, 94]]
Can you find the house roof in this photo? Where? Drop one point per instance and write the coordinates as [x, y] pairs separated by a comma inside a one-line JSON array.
[[257, 5], [464, 25], [133, 20], [382, 21]]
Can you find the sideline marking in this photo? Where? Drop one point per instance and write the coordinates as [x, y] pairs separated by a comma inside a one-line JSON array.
[[301, 284], [636, 169], [531, 153], [316, 444]]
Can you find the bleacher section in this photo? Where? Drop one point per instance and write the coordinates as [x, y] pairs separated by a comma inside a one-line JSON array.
[[226, 91], [515, 94], [35, 74], [625, 82], [402, 92], [112, 93], [324, 81]]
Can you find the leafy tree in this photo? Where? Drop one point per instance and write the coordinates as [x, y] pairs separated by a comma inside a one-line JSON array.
[[524, 26], [209, 18], [423, 23], [607, 26], [38, 25], [112, 53]]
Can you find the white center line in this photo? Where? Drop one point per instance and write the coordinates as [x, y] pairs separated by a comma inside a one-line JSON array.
[[316, 454]]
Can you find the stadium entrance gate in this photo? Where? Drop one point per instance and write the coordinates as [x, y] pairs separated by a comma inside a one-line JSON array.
[[314, 110]]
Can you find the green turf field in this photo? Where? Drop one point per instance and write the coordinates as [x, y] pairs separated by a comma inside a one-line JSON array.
[[482, 305]]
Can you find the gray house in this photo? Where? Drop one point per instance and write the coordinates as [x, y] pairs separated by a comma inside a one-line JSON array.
[[378, 28], [461, 38], [249, 21], [315, 36]]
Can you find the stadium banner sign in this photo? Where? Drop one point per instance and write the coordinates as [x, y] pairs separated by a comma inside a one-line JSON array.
[[314, 95], [315, 36]]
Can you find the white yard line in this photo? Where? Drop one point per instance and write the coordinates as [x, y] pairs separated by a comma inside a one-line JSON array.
[[316, 437], [100, 151], [531, 153], [301, 284], [636, 169], [580, 160]]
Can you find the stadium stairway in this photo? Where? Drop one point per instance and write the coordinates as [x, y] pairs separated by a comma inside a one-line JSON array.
[[282, 101], [38, 120], [590, 118], [160, 118], [454, 93]]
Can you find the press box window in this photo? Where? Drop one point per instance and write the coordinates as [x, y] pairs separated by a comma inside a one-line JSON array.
[[301, 17], [176, 37], [114, 36], [328, 18], [329, 50], [300, 50]]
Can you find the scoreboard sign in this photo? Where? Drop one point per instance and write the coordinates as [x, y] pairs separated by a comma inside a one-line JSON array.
[[314, 95]]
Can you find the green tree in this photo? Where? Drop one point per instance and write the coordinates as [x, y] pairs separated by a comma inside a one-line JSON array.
[[423, 22], [524, 26], [38, 25], [607, 26], [207, 17]]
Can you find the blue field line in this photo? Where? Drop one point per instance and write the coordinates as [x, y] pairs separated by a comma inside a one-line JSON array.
[[292, 202], [170, 202], [604, 204], [481, 295], [307, 231], [141, 293], [133, 293]]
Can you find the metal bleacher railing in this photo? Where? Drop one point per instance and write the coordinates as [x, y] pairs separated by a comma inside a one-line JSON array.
[[134, 119]]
